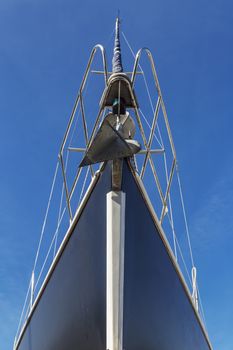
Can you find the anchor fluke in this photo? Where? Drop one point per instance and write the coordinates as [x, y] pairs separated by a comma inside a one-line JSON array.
[[112, 141]]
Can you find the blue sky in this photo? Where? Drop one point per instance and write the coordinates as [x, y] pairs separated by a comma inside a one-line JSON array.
[[44, 46]]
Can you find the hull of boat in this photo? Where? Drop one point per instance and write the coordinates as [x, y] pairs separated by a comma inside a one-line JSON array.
[[71, 311]]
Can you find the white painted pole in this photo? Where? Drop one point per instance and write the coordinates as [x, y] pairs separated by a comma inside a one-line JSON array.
[[115, 269]]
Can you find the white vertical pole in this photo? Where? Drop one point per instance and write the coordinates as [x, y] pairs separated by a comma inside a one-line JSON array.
[[115, 269]]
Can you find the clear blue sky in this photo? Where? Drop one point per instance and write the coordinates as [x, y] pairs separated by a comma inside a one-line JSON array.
[[44, 46]]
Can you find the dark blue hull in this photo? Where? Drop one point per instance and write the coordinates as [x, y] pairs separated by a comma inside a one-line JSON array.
[[71, 311]]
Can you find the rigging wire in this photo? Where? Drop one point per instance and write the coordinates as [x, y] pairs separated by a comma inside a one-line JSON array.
[[146, 85], [46, 216], [170, 205], [150, 127], [178, 177], [110, 37], [182, 256], [22, 312], [45, 220], [202, 309], [63, 186], [84, 184], [39, 245], [170, 209], [179, 185], [66, 164], [60, 209], [184, 214], [161, 143], [60, 216], [50, 247]]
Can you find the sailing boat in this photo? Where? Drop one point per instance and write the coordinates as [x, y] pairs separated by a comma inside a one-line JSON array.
[[115, 283]]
